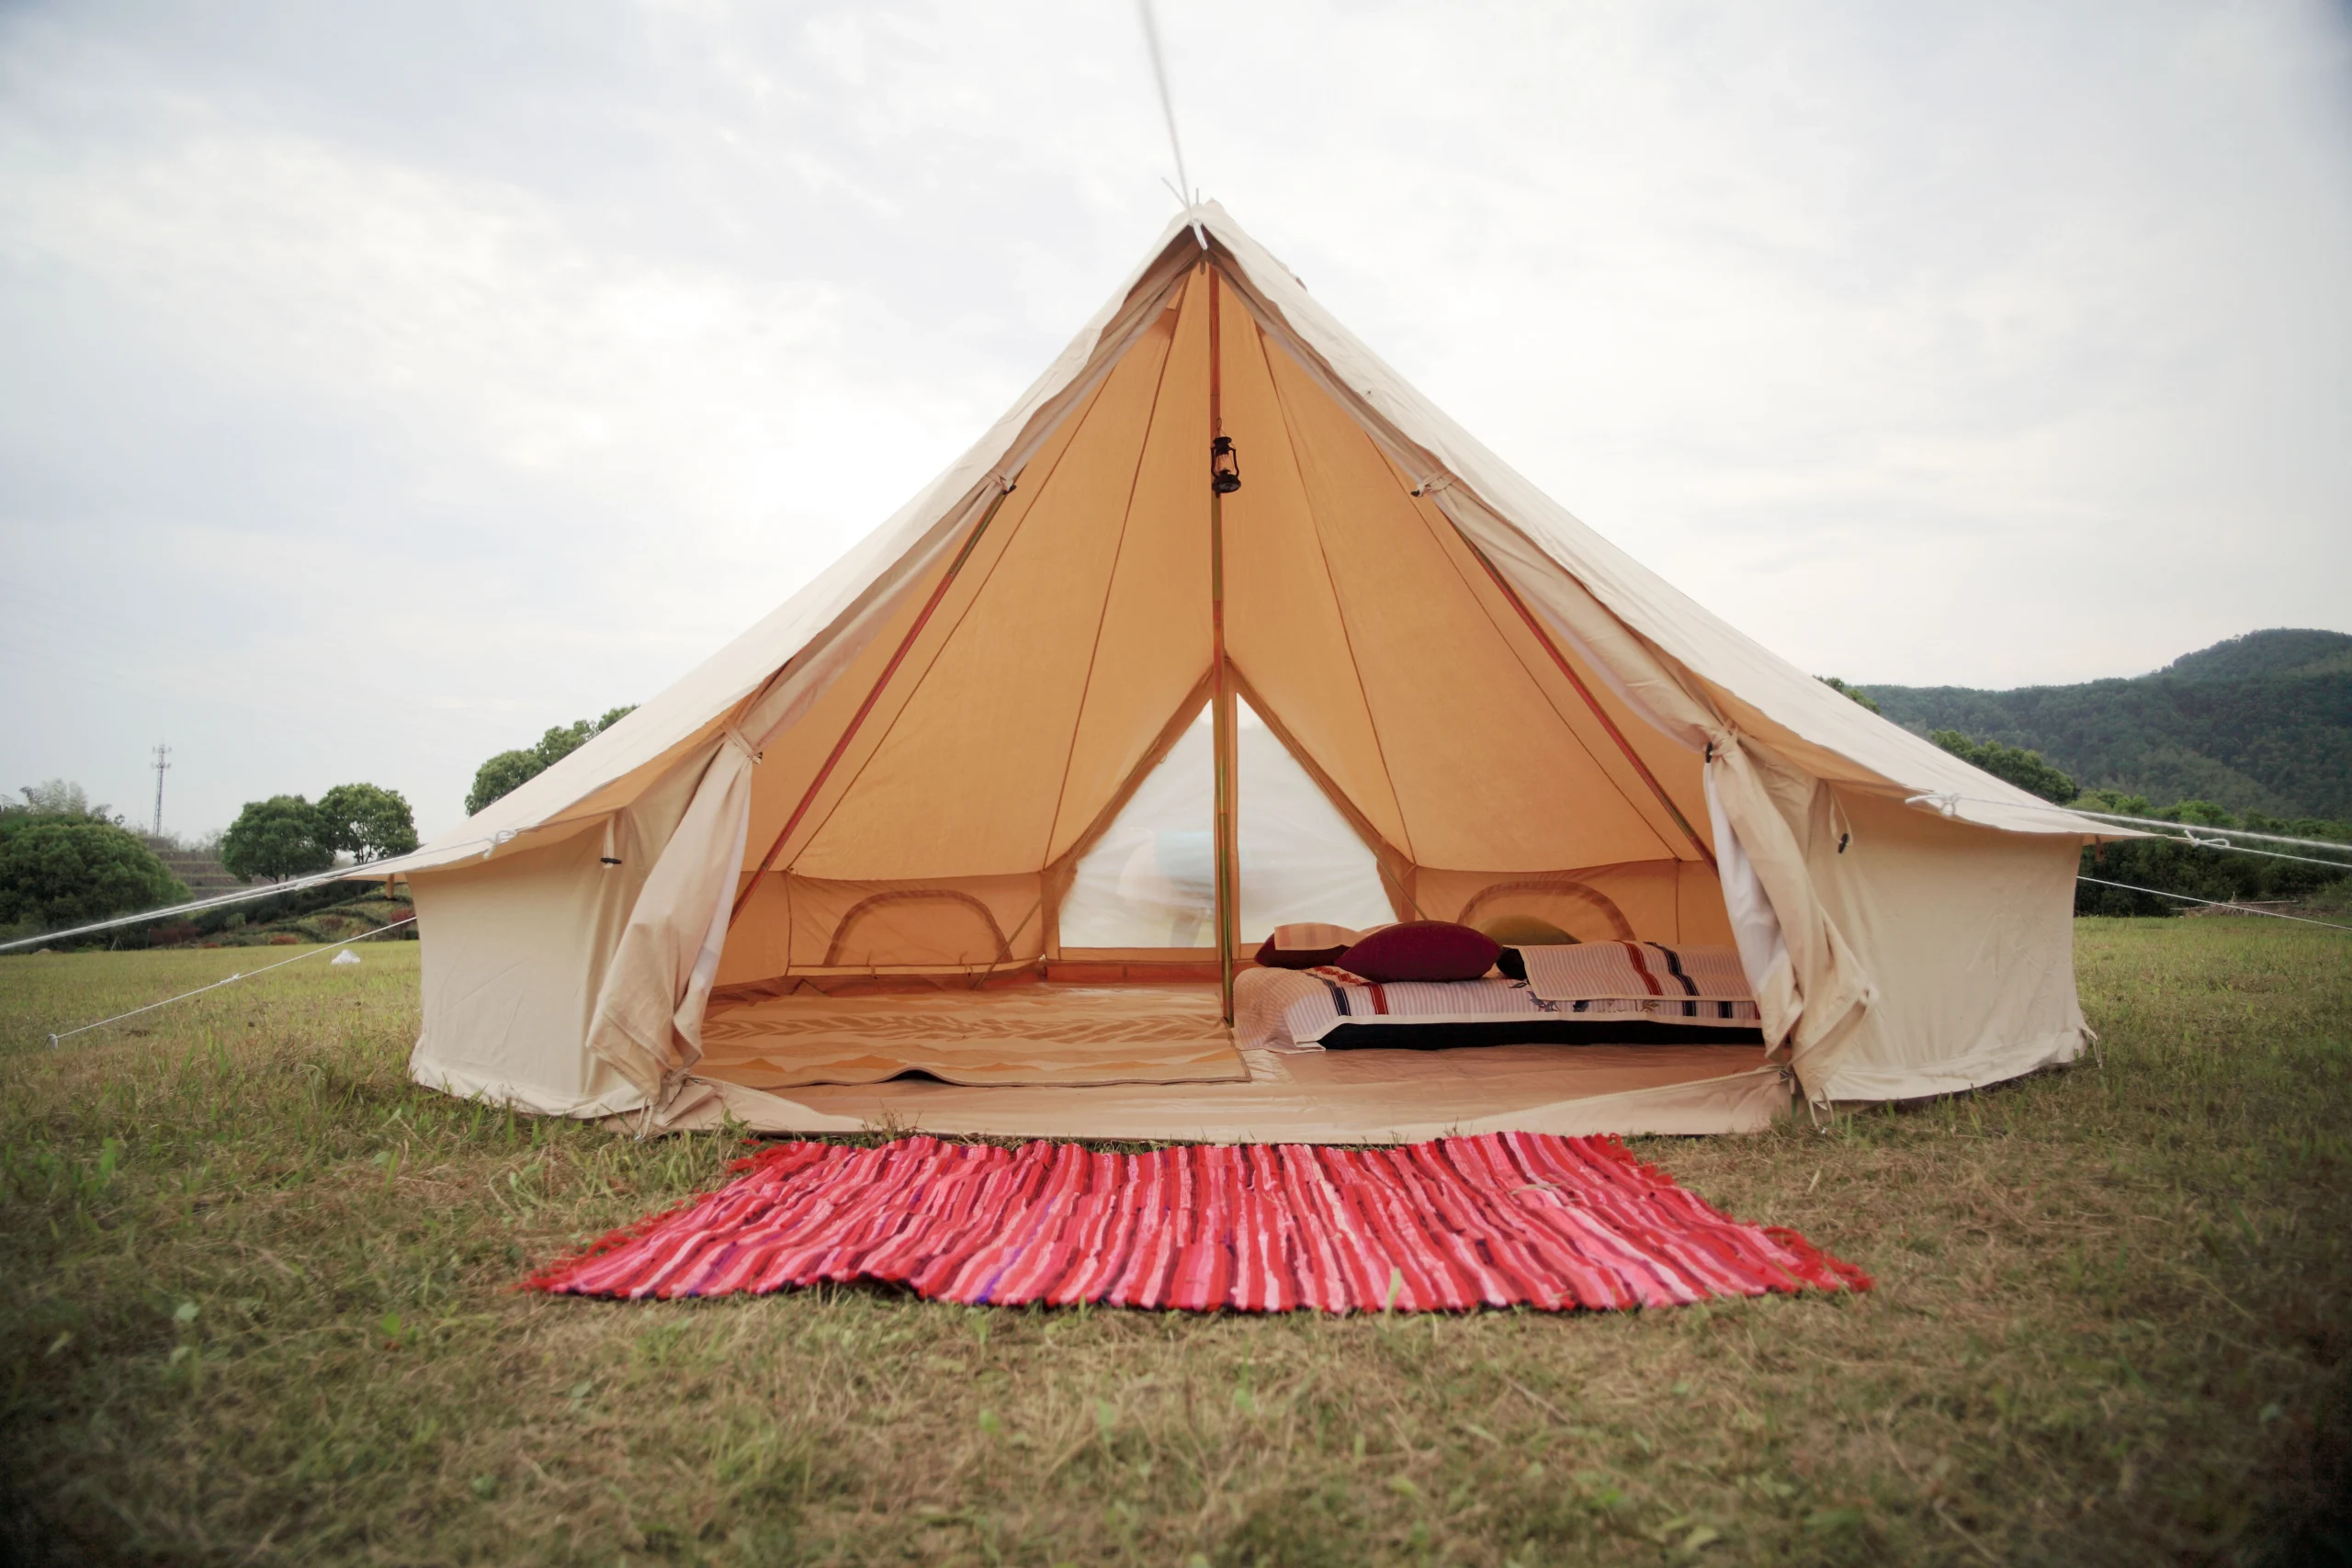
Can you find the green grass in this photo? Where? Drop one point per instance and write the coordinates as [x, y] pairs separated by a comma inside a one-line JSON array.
[[256, 1306]]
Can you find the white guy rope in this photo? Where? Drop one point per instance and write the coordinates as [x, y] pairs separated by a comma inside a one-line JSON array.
[[1945, 802], [2335, 844], [151, 1007], [2219, 844], [1167, 111], [366, 870], [2216, 902]]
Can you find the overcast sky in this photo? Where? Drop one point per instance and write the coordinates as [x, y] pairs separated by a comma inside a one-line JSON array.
[[383, 384]]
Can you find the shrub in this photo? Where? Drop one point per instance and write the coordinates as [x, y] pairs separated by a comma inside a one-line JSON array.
[[58, 869]]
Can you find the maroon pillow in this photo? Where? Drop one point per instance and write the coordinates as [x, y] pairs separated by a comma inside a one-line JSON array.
[[1422, 950], [1272, 957]]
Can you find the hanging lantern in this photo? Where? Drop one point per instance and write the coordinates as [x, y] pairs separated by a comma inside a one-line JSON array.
[[1225, 466]]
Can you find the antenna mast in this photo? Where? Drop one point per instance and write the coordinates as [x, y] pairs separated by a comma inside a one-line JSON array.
[[162, 765]]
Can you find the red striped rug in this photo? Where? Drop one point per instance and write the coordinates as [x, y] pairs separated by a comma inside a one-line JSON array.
[[1508, 1219]]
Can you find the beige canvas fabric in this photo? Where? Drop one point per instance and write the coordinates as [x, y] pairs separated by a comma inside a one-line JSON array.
[[897, 772], [1344, 1096]]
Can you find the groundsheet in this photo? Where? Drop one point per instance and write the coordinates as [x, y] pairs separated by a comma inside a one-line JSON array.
[[1039, 1036]]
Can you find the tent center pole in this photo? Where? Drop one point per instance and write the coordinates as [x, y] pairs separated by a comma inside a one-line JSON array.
[[1229, 859]]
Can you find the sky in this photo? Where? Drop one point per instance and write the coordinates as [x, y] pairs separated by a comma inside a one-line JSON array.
[[384, 384]]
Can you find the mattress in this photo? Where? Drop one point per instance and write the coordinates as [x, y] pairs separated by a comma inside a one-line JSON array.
[[1329, 1008]]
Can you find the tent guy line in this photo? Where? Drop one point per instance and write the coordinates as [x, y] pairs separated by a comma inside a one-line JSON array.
[[1939, 801], [2215, 903], [366, 870], [1167, 103], [373, 868], [248, 975]]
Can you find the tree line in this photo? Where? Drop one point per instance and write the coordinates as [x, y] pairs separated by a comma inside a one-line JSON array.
[[64, 862], [2165, 865]]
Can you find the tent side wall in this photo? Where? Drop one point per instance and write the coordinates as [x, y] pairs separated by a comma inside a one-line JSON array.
[[515, 951], [1968, 933]]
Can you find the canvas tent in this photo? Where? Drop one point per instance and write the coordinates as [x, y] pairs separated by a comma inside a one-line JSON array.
[[912, 773]]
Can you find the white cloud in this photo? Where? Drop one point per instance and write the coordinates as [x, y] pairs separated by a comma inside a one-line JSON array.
[[389, 383]]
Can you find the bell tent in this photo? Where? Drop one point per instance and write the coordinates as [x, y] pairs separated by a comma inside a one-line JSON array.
[[1223, 626]]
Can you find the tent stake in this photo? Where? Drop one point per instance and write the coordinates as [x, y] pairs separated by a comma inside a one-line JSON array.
[[858, 719], [1228, 867]]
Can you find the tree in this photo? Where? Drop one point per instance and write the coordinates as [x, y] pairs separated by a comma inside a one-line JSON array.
[[2020, 767], [60, 868], [503, 774], [60, 798], [509, 770], [367, 823], [1856, 693], [281, 837]]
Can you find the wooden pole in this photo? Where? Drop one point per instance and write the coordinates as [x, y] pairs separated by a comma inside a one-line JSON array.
[[1228, 856]]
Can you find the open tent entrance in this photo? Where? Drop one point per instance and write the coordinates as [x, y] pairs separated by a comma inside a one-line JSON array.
[[987, 851], [956, 783], [1150, 882]]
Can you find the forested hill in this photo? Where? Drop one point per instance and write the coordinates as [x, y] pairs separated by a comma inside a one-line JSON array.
[[2261, 722]]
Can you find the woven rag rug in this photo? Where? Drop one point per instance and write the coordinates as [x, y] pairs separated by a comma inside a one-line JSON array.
[[1506, 1219]]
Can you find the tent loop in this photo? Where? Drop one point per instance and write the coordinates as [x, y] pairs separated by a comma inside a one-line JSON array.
[[1188, 203], [1433, 484], [1947, 804]]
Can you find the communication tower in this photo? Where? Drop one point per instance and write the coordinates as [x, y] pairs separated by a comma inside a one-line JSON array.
[[162, 764]]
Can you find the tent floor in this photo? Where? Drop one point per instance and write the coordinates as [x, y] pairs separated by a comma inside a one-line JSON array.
[[1364, 1096], [1034, 1035]]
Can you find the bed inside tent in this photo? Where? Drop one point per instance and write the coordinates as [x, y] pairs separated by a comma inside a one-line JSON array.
[[1195, 644]]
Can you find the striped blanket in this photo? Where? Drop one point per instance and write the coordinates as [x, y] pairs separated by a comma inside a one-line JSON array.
[[1695, 981], [1408, 1014]]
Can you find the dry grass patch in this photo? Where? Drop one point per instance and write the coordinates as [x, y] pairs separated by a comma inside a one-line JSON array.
[[255, 1305]]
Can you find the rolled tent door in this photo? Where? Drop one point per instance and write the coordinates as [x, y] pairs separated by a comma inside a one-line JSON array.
[[1814, 990], [648, 1019], [1809, 982]]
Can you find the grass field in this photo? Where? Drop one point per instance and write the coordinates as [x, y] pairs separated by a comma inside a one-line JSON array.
[[255, 1306]]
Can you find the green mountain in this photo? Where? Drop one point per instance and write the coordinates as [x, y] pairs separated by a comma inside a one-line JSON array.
[[2262, 723]]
